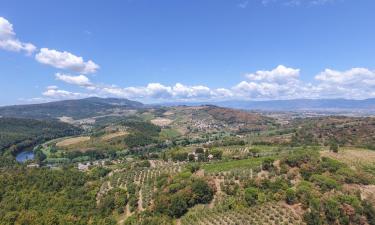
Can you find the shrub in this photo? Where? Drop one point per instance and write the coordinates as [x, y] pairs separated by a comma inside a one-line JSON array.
[[194, 167], [267, 163], [297, 158], [291, 196], [199, 150], [325, 183], [305, 192], [251, 195], [178, 206], [332, 210], [369, 211], [331, 165], [202, 192], [334, 147]]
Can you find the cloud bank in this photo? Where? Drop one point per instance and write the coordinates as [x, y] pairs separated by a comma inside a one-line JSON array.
[[282, 82]]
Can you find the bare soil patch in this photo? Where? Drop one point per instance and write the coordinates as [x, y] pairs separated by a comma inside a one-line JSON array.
[[161, 121]]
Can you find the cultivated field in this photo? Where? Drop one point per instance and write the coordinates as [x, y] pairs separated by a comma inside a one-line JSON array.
[[161, 121], [352, 156], [110, 136], [72, 141]]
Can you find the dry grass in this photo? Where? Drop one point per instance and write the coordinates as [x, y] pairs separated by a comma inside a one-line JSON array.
[[352, 156], [356, 158], [114, 135], [72, 141], [161, 121]]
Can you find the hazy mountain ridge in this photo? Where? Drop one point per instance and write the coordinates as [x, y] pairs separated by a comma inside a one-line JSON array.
[[80, 108], [367, 105], [94, 106]]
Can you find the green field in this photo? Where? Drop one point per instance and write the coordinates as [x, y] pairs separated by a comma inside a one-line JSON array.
[[169, 133], [234, 164]]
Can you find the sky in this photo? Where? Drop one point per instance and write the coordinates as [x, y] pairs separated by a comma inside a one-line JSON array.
[[179, 50]]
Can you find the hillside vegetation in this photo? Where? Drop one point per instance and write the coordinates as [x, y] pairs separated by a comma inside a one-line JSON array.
[[19, 134], [185, 165], [345, 131]]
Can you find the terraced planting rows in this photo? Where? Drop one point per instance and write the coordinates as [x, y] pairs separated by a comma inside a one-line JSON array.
[[271, 213], [143, 178]]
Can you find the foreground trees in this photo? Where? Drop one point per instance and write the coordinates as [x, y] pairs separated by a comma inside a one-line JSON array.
[[44, 196], [182, 192]]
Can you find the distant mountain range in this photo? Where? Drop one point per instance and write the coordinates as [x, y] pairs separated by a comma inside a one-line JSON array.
[[94, 106], [325, 105], [81, 108]]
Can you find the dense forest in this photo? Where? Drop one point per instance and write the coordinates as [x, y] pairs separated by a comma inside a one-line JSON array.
[[44, 196]]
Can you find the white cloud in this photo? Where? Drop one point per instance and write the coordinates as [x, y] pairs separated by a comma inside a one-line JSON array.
[[243, 5], [54, 93], [279, 83], [80, 80], [65, 60], [297, 2], [52, 87], [353, 83], [8, 40], [280, 75]]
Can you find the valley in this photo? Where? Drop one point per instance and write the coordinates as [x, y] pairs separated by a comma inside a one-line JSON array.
[[191, 165]]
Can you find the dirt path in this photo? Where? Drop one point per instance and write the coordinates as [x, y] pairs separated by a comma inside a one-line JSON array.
[[125, 215], [178, 221], [200, 173], [103, 191], [140, 201], [152, 163], [217, 194]]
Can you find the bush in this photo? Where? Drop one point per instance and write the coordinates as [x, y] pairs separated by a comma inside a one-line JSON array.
[[325, 183], [179, 156], [199, 150], [178, 206], [99, 172], [305, 192], [334, 147], [194, 167], [251, 195], [291, 196], [332, 210], [350, 176], [369, 211], [297, 158], [331, 165], [202, 192], [217, 154], [267, 163]]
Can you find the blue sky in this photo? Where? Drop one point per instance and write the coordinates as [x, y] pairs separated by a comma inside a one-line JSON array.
[[178, 50]]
